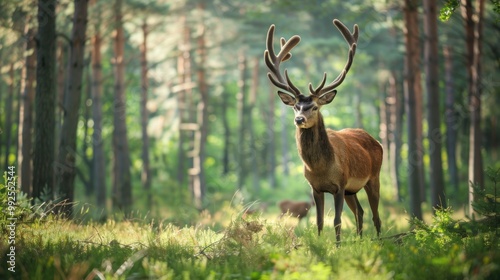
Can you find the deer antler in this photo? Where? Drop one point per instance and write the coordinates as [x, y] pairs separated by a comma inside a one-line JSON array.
[[352, 39], [273, 61]]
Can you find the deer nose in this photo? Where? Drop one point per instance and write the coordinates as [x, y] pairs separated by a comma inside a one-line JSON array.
[[299, 120]]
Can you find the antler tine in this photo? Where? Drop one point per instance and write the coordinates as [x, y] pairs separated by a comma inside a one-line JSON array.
[[273, 61], [321, 85], [351, 39]]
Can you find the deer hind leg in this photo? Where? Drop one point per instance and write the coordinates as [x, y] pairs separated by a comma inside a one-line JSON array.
[[373, 192], [353, 203]]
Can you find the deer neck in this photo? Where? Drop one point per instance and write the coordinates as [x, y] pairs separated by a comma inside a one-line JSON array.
[[314, 147]]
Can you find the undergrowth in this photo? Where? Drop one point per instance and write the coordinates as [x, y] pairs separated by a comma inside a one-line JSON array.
[[252, 247]]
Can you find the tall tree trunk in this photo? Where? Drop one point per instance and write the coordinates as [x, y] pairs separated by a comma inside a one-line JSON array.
[[146, 170], [251, 130], [9, 112], [43, 152], [97, 139], [383, 127], [87, 159], [67, 147], [411, 87], [227, 133], [26, 114], [451, 119], [435, 137], [476, 177], [285, 142], [242, 107], [184, 72], [395, 131], [203, 108], [271, 136], [122, 188]]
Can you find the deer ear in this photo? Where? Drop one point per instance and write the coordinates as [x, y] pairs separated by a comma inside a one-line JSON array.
[[287, 99], [327, 97]]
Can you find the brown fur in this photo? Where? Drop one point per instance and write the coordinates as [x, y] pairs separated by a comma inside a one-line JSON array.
[[332, 159], [298, 209]]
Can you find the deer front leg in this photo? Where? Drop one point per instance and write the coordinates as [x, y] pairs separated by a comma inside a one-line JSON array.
[[338, 198], [319, 200]]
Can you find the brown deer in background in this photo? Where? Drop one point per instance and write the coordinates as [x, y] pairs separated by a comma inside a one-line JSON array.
[[297, 209], [338, 162]]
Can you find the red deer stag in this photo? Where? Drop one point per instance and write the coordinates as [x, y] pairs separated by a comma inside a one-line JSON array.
[[338, 162]]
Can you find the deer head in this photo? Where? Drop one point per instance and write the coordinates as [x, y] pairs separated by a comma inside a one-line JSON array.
[[306, 108]]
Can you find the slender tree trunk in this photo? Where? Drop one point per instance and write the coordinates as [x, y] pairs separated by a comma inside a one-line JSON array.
[[9, 112], [271, 136], [184, 71], [122, 188], [285, 142], [476, 177], [383, 127], [227, 134], [203, 108], [43, 153], [146, 170], [251, 105], [412, 84], [395, 131], [87, 159], [435, 137], [451, 119], [242, 107], [97, 138], [26, 114], [67, 147]]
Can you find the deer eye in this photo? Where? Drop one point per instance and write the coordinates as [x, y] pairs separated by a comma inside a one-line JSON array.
[[296, 107], [315, 108]]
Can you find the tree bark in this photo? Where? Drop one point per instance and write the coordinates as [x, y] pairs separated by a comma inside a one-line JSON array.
[[43, 152], [411, 88], [227, 134], [9, 112], [67, 147], [271, 136], [395, 131], [200, 190], [285, 142], [242, 107], [438, 199], [476, 177], [146, 170], [184, 72], [26, 115], [251, 105], [451, 118], [122, 188], [97, 138], [383, 127]]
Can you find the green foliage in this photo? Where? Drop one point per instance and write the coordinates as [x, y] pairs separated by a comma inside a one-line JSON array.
[[487, 199], [447, 10]]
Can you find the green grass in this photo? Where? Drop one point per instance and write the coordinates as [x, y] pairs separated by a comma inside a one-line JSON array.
[[254, 247], [225, 244]]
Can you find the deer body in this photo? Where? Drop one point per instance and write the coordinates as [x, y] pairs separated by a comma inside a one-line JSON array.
[[298, 209], [337, 162]]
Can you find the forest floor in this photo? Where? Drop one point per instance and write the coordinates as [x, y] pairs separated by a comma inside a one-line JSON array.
[[249, 247]]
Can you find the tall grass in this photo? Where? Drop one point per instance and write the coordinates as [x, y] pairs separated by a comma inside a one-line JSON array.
[[229, 245]]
